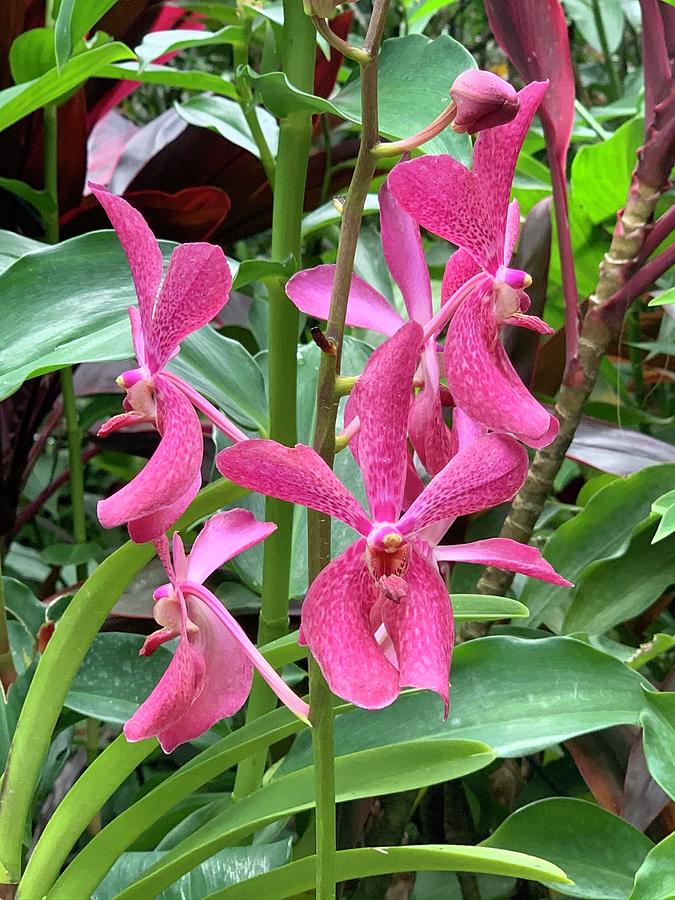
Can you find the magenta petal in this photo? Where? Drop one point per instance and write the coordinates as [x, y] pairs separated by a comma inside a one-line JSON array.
[[383, 395], [336, 626], [428, 432], [171, 471], [196, 288], [149, 528], [224, 536], [171, 700], [296, 474], [421, 628], [459, 268], [310, 291], [487, 472], [403, 252], [505, 554], [512, 229], [484, 383], [140, 246]]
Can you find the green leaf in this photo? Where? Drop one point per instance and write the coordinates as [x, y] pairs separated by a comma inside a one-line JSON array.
[[226, 118], [484, 608], [24, 606], [32, 54], [611, 13], [223, 869], [40, 199], [658, 721], [655, 879], [327, 214], [184, 79], [300, 876], [13, 246], [610, 591], [664, 298], [251, 270], [75, 18], [157, 43], [362, 774], [21, 99], [519, 696], [601, 172], [62, 554], [114, 680], [601, 530], [599, 851], [665, 507], [414, 78], [657, 646]]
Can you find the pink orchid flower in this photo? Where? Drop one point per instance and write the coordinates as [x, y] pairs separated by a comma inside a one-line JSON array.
[[196, 287], [471, 208], [310, 291], [211, 672], [378, 618]]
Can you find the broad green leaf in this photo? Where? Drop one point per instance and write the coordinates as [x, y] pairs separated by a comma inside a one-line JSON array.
[[62, 554], [601, 172], [24, 606], [32, 54], [362, 774], [611, 13], [601, 530], [114, 680], [665, 507], [424, 12], [223, 869], [519, 696], [657, 646], [300, 876], [40, 199], [599, 851], [658, 721], [327, 214], [610, 591], [12, 246], [655, 879], [415, 74], [226, 118], [157, 43], [251, 270], [663, 299], [21, 99], [184, 79], [74, 19]]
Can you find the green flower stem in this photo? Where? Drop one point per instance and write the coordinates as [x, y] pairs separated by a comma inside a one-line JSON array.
[[299, 49], [240, 58], [7, 670], [319, 531], [62, 658]]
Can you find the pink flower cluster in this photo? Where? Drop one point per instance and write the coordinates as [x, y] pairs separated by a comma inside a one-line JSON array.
[[379, 617]]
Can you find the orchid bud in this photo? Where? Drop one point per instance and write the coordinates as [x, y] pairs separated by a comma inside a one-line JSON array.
[[322, 8], [483, 100]]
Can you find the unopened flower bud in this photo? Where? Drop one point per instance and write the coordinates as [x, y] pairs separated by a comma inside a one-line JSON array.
[[483, 100], [322, 8]]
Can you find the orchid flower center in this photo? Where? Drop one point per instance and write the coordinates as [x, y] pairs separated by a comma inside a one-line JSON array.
[[388, 558], [140, 396], [514, 278]]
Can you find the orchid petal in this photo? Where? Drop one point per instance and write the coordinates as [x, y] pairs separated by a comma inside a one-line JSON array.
[[196, 288], [487, 472], [150, 527], [171, 471], [124, 420], [224, 536], [311, 289], [421, 628], [137, 336], [504, 554], [429, 434], [336, 626], [465, 430], [140, 246], [404, 255], [459, 268], [512, 229], [383, 395], [484, 383], [296, 474]]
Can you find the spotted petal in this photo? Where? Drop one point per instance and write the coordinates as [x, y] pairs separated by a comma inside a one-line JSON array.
[[504, 554], [224, 536]]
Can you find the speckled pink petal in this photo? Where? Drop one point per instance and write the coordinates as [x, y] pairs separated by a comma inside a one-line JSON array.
[[484, 383], [512, 229], [228, 676], [224, 536], [196, 287], [484, 474], [137, 337], [404, 254], [504, 554], [494, 160], [310, 291], [123, 420], [149, 528], [296, 474], [383, 395], [171, 471], [336, 626], [428, 432], [421, 628], [465, 430], [140, 246], [459, 268]]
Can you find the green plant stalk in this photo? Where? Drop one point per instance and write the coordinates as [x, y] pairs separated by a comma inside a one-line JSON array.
[[295, 133], [240, 58], [614, 84], [319, 531], [7, 670], [62, 658]]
